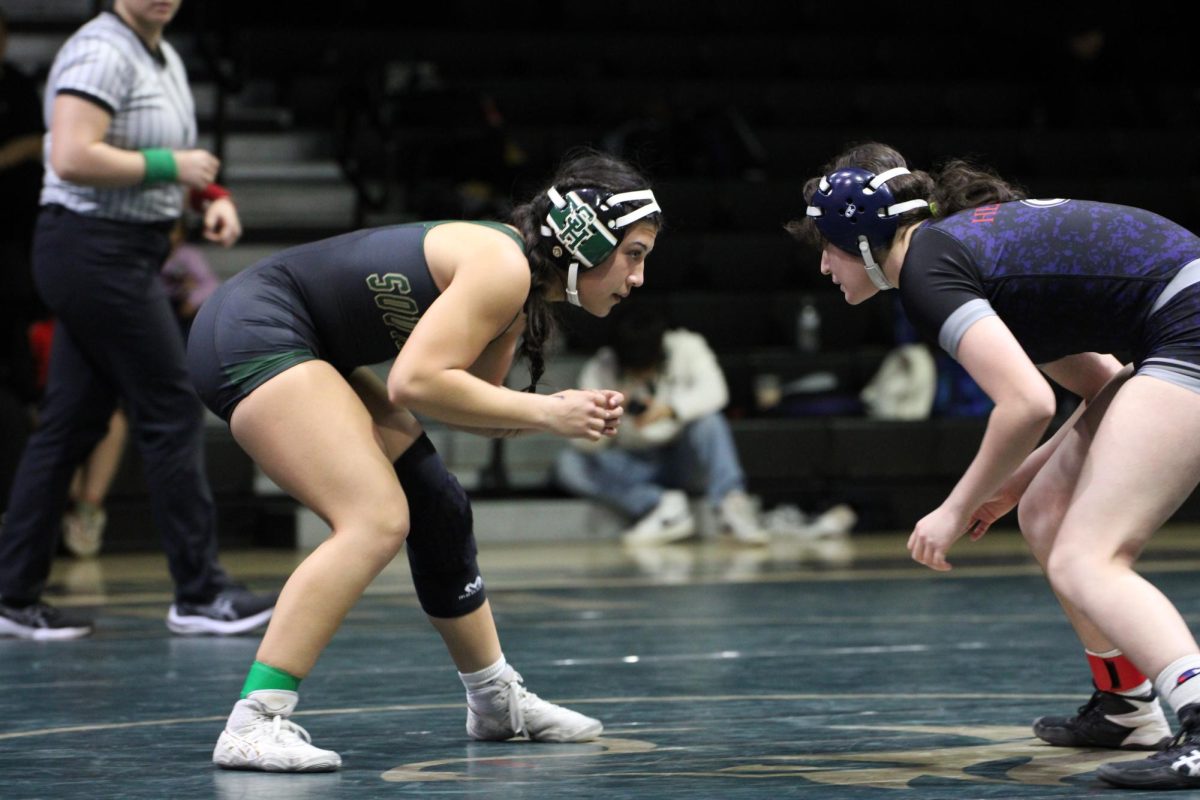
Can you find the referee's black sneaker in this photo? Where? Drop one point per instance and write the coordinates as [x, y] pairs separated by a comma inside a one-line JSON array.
[[234, 610], [41, 622], [1176, 767], [1110, 720]]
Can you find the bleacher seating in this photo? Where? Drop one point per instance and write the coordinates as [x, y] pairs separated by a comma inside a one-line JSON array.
[[369, 114]]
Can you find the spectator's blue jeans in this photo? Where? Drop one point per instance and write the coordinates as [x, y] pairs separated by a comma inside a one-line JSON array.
[[701, 460]]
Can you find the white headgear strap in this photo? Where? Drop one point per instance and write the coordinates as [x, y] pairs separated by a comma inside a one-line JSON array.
[[874, 271], [651, 206], [572, 279]]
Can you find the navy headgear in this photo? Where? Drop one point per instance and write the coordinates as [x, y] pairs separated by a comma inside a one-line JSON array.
[[854, 209], [587, 224]]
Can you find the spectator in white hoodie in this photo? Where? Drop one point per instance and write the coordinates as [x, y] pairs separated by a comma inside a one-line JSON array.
[[675, 440]]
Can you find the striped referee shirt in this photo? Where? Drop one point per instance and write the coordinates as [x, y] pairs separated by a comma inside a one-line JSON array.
[[147, 94]]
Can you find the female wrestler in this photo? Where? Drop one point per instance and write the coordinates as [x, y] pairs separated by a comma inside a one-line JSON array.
[[278, 351], [1008, 285]]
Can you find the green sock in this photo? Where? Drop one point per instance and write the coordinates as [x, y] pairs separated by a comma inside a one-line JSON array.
[[262, 676]]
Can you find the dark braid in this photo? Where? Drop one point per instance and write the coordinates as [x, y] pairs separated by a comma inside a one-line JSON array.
[[540, 318], [540, 323]]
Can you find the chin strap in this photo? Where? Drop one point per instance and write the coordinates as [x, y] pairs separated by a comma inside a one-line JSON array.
[[572, 289], [874, 271]]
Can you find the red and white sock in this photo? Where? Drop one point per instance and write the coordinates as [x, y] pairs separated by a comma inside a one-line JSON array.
[[1113, 672]]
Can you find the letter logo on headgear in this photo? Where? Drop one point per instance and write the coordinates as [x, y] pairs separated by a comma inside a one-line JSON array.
[[576, 224]]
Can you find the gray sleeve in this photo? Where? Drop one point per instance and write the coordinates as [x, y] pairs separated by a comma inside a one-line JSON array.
[[960, 319]]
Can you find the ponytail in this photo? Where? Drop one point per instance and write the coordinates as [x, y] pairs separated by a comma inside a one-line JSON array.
[[960, 185]]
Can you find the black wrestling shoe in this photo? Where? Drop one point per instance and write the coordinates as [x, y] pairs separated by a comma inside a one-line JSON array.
[[1110, 720], [1176, 767], [235, 610], [41, 622]]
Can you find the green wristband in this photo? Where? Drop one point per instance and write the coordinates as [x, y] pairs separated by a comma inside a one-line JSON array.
[[160, 165]]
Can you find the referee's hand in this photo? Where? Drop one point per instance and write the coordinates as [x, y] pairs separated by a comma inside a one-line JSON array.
[[221, 222], [196, 169]]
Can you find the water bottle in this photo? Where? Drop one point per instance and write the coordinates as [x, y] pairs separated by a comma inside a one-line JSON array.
[[808, 326]]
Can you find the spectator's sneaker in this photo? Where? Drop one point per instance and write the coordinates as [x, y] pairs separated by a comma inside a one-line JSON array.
[[83, 529], [670, 521], [786, 520], [837, 521], [234, 610], [739, 518], [42, 622], [1176, 767], [789, 522], [505, 708], [1110, 720], [260, 736]]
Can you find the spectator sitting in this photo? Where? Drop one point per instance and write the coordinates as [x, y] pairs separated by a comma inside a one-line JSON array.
[[675, 438]]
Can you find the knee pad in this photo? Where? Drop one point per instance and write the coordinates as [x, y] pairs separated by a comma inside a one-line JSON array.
[[441, 539]]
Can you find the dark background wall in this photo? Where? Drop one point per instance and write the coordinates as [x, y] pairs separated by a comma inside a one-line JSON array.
[[449, 109]]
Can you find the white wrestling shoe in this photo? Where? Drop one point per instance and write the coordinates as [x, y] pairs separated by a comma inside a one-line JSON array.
[[505, 708], [260, 736]]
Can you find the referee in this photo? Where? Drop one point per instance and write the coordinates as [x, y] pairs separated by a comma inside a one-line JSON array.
[[120, 155]]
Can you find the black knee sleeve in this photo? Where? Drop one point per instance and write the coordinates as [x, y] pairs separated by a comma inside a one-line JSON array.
[[441, 539]]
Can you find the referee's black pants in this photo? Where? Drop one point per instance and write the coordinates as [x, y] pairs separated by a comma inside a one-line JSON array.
[[116, 340]]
